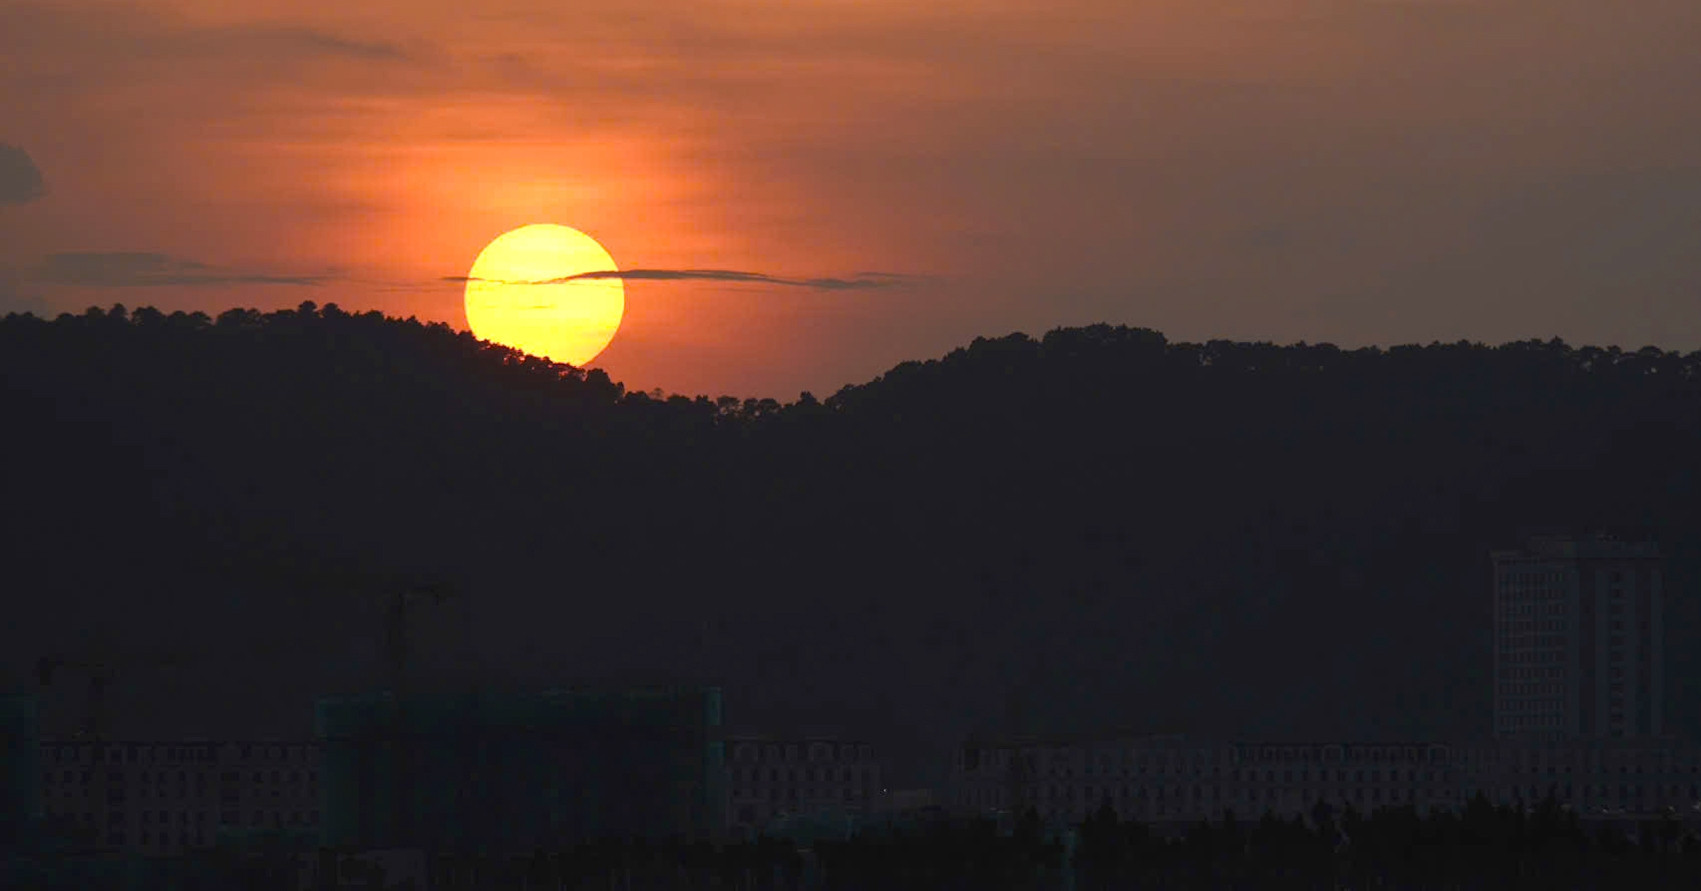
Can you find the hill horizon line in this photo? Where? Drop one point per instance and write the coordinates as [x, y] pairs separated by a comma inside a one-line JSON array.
[[247, 316]]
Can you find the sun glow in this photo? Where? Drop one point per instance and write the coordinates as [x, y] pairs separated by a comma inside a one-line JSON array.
[[522, 292]]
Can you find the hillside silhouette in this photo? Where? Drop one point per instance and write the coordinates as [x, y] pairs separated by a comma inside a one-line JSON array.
[[1094, 530]]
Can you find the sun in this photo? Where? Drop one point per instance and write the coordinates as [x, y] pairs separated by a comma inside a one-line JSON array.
[[522, 293]]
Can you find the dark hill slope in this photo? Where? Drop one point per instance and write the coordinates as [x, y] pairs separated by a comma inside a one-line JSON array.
[[1096, 529]]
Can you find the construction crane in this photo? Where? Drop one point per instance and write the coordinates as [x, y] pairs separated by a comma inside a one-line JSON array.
[[400, 596], [397, 640], [99, 675], [94, 725], [1017, 774], [397, 593], [95, 728], [397, 631], [397, 596], [99, 671]]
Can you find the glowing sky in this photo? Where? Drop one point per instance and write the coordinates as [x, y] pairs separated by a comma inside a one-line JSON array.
[[1355, 171]]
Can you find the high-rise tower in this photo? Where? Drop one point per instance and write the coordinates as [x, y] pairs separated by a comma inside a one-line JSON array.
[[1578, 639]]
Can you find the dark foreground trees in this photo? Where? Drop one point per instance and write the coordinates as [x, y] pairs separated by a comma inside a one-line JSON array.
[[1482, 848]]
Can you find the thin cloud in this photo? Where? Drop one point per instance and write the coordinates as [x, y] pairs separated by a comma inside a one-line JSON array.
[[20, 179], [130, 269], [51, 49], [309, 42], [861, 281]]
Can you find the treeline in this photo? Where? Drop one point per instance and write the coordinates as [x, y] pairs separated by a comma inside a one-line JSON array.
[[1483, 847], [763, 864], [1094, 529], [1394, 848]]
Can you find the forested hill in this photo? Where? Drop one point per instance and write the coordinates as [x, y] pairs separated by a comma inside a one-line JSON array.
[[1095, 529]]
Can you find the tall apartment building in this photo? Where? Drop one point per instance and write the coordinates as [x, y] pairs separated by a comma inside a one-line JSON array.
[[1578, 640], [20, 780]]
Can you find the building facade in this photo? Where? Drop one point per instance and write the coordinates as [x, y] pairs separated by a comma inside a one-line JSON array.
[[771, 779], [521, 771], [1177, 780], [20, 775], [167, 798], [1579, 640]]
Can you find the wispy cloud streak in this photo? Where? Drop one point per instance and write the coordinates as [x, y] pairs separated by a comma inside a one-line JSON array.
[[20, 179], [313, 42], [131, 269]]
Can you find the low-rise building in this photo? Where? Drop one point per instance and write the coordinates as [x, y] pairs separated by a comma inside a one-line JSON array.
[[1175, 779], [515, 771], [165, 798], [772, 779]]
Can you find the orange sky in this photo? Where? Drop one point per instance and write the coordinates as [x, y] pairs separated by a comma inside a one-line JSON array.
[[1359, 171]]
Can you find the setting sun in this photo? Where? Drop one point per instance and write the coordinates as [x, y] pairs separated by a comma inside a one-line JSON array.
[[523, 292]]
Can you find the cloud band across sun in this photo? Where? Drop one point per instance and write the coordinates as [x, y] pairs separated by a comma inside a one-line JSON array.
[[145, 269], [861, 281]]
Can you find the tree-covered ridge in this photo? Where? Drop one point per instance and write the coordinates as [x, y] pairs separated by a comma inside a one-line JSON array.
[[1090, 530], [1068, 368], [1065, 360]]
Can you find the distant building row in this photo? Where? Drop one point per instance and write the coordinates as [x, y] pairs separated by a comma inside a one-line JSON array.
[[163, 798], [1579, 702], [773, 779], [1175, 779], [443, 773], [1578, 713]]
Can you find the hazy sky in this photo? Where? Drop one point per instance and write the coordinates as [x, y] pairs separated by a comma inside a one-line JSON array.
[[1355, 171]]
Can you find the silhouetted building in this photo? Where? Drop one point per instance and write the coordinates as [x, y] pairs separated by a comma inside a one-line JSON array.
[[20, 745], [326, 870], [1177, 780], [773, 779], [1578, 640], [1162, 779], [902, 801], [517, 771], [165, 798]]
